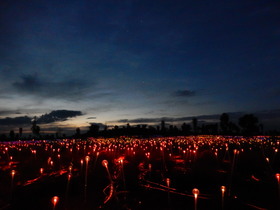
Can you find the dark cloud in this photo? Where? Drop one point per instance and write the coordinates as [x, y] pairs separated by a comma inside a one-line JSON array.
[[184, 93], [58, 115], [71, 89], [90, 118], [101, 125], [139, 120], [16, 121], [29, 84], [54, 116], [8, 112]]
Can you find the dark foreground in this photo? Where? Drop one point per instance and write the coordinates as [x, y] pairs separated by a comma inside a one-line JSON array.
[[155, 173]]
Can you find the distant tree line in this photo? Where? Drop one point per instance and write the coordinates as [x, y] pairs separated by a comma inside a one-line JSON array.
[[248, 125]]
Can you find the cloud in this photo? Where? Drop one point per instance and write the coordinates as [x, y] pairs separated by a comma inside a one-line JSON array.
[[90, 118], [8, 112], [184, 93], [58, 115], [16, 121], [101, 125], [71, 89], [29, 84], [139, 120], [23, 121]]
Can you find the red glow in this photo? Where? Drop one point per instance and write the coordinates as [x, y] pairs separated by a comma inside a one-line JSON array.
[[55, 200], [168, 182], [195, 192], [105, 163], [278, 177], [120, 159]]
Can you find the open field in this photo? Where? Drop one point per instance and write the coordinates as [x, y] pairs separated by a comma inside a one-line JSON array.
[[133, 173]]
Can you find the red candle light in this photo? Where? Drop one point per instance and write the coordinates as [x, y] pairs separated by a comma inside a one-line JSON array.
[[55, 200], [195, 192]]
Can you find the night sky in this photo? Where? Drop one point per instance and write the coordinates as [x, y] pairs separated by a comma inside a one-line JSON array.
[[137, 61]]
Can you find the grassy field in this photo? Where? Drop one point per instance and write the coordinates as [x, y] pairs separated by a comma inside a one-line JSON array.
[[152, 173]]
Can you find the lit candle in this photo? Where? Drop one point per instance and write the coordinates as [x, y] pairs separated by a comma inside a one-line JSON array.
[[168, 185], [223, 189], [55, 200], [68, 183], [82, 163], [87, 160], [13, 172], [70, 169], [41, 171], [195, 192], [277, 175], [124, 185], [105, 163]]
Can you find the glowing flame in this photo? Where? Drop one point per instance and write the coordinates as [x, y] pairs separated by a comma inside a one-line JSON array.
[[168, 182], [278, 177], [55, 200], [105, 163], [195, 192]]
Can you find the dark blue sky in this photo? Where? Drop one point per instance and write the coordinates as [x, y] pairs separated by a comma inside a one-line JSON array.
[[118, 61]]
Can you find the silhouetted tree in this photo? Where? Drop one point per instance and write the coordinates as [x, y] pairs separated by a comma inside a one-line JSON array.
[[158, 129], [173, 130], [233, 129], [3, 137], [152, 130], [12, 135], [261, 128], [20, 132], [194, 123], [186, 129], [78, 133], [162, 127], [249, 124], [58, 133], [128, 129], [209, 129], [93, 129], [224, 123], [35, 128]]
